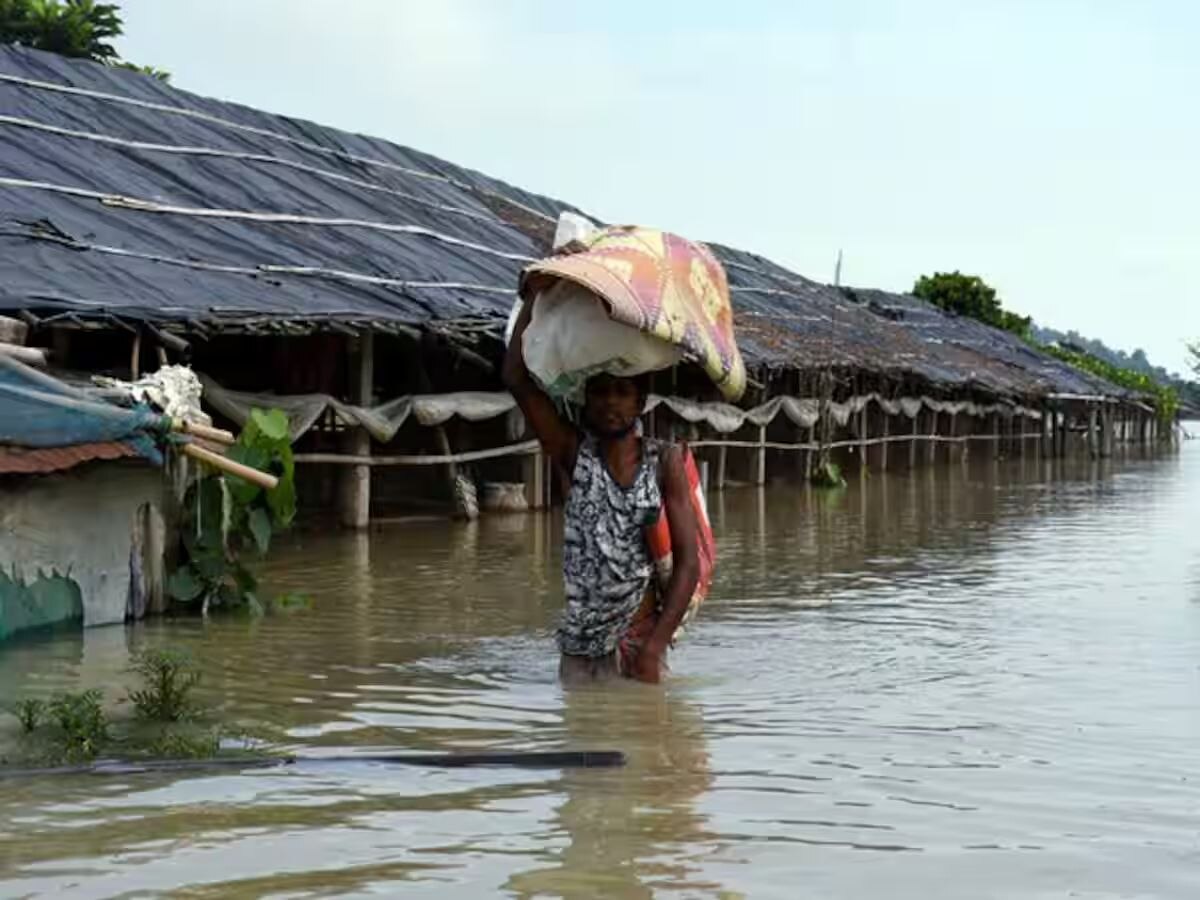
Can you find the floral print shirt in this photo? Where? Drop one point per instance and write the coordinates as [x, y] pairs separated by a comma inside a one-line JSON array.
[[606, 562]]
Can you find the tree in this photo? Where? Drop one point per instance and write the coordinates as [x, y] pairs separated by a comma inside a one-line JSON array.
[[970, 295], [1194, 353], [80, 29]]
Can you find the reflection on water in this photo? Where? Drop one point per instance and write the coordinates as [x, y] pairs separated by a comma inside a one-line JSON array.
[[968, 682]]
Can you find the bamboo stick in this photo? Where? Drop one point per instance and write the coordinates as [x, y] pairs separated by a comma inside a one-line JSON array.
[[135, 357], [228, 466], [216, 435], [342, 459], [31, 356], [13, 331], [530, 447]]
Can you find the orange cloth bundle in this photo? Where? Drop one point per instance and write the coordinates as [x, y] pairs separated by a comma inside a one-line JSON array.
[[658, 539]]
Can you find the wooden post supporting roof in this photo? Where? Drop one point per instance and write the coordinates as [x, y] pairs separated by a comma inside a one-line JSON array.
[[810, 454], [887, 431], [862, 438], [760, 460], [533, 469], [356, 480]]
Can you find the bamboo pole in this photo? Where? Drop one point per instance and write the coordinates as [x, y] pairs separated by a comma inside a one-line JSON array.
[[534, 476], [228, 466], [862, 438], [808, 454], [135, 357], [30, 356], [525, 448], [760, 467], [883, 451], [217, 435], [13, 331], [722, 453], [356, 484]]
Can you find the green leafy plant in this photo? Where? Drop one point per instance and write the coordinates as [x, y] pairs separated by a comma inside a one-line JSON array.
[[227, 520], [81, 29], [291, 600], [970, 295], [83, 725], [168, 679], [828, 474], [184, 745], [29, 713], [1165, 398]]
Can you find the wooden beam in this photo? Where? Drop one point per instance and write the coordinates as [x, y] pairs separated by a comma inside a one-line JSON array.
[[533, 472], [809, 453], [30, 356], [862, 438], [13, 331], [760, 461], [524, 448], [135, 356], [356, 484], [883, 451]]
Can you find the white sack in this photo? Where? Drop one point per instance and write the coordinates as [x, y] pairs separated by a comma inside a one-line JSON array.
[[571, 338]]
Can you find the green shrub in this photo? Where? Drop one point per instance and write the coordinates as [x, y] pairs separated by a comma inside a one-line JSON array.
[[83, 725], [168, 678], [29, 713]]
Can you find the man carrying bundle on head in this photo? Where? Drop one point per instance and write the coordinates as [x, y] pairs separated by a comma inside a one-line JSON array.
[[638, 551]]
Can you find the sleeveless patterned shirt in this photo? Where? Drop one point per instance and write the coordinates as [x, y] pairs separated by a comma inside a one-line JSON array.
[[606, 562]]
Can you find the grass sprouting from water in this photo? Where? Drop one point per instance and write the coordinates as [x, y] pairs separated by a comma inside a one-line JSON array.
[[74, 727]]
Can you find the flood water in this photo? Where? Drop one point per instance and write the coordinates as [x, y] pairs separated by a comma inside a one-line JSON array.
[[952, 684]]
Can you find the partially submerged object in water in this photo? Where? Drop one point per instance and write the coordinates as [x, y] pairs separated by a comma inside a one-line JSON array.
[[553, 759]]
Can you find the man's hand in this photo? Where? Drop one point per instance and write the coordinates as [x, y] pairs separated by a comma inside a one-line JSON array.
[[648, 663]]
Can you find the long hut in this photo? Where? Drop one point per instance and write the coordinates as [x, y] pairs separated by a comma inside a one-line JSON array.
[[364, 287]]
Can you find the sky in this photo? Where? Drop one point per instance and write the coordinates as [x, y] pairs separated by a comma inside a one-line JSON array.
[[1045, 146]]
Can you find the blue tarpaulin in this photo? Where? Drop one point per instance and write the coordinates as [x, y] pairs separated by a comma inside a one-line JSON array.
[[37, 410]]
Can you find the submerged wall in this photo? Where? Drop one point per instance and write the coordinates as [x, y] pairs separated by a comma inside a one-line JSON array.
[[85, 544]]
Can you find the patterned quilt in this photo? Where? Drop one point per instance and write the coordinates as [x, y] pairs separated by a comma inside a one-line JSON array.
[[659, 283]]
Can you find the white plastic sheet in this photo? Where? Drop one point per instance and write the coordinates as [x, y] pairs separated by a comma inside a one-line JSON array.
[[571, 337], [383, 421]]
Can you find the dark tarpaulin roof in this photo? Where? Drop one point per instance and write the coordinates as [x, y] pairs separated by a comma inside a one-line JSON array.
[[1030, 369], [120, 195], [374, 210]]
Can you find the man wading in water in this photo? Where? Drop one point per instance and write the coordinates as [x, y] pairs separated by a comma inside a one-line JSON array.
[[618, 484]]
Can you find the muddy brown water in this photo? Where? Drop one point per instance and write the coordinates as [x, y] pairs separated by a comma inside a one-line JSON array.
[[959, 683]]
